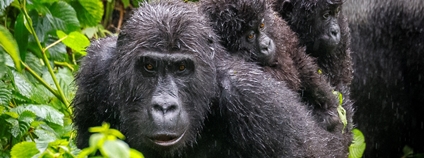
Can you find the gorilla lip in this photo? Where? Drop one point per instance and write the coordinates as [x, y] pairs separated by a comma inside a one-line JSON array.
[[167, 139]]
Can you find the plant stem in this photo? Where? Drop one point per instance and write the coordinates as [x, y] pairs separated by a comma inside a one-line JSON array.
[[39, 79], [45, 59]]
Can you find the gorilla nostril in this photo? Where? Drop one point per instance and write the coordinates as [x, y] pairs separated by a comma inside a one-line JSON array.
[[164, 109], [334, 32]]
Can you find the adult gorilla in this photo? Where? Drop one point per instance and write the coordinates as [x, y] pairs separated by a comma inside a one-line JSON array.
[[388, 84], [173, 91]]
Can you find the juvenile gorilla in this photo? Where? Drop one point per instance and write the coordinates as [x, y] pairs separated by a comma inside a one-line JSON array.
[[249, 29], [388, 84], [323, 29], [173, 92]]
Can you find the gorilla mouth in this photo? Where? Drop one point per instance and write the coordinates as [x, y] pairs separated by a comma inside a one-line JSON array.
[[167, 139]]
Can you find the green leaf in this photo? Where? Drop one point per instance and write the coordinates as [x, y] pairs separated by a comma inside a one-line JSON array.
[[96, 139], [116, 148], [5, 94], [58, 51], [63, 17], [357, 148], [135, 154], [45, 135], [89, 12], [126, 3], [41, 94], [23, 86], [41, 26], [24, 150], [75, 40], [116, 133], [43, 111], [14, 124], [8, 43], [3, 67], [407, 151], [4, 4], [340, 110], [21, 35]]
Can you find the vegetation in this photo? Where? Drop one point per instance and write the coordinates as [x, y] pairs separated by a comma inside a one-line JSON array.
[[41, 43]]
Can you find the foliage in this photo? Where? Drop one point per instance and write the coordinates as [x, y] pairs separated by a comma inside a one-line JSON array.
[[41, 42], [357, 148]]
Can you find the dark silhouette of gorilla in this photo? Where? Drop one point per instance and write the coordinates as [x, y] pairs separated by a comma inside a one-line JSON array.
[[388, 85], [249, 29], [173, 91]]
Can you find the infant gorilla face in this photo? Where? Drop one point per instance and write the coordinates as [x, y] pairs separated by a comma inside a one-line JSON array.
[[256, 43]]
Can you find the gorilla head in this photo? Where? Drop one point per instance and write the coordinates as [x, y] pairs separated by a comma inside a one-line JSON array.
[[246, 35], [316, 22], [160, 64]]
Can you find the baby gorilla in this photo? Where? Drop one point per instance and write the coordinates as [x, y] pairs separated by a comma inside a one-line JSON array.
[[249, 29], [323, 29], [174, 92]]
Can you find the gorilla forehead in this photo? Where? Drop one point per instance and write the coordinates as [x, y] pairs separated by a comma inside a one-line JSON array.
[[165, 27], [311, 4], [229, 16]]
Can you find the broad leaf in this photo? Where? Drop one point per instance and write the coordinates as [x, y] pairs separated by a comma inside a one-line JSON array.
[[21, 35], [75, 40], [41, 26], [89, 12], [23, 86], [357, 148], [24, 150], [63, 17], [8, 43], [5, 94], [43, 111], [116, 148], [58, 51]]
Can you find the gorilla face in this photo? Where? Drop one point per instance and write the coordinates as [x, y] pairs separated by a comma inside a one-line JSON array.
[[326, 24], [164, 78]]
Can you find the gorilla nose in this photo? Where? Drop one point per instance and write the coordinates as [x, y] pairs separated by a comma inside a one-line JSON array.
[[265, 46], [165, 106], [335, 31]]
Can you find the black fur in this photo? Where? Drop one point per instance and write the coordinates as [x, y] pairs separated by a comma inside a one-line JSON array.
[[232, 18], [388, 84], [234, 109], [326, 39]]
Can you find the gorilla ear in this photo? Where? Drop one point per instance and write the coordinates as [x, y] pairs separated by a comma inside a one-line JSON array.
[[286, 8]]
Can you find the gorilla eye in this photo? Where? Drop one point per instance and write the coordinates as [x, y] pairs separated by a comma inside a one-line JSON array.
[[148, 67], [262, 25], [182, 67], [251, 35], [326, 15]]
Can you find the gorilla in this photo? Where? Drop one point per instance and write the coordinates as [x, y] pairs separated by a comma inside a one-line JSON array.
[[388, 85], [173, 91], [251, 31], [323, 29]]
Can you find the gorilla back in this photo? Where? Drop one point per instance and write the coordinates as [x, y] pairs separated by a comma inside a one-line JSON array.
[[168, 86]]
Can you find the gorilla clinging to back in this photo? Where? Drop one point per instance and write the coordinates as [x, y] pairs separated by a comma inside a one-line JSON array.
[[249, 29], [173, 92]]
